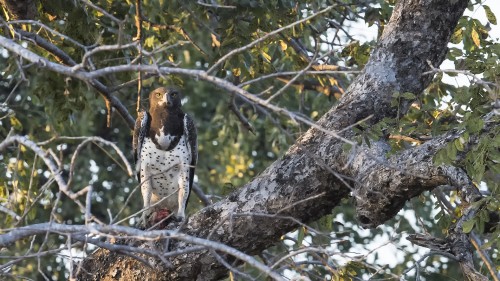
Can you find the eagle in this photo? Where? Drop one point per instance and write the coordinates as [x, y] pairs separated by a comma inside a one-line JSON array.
[[165, 152]]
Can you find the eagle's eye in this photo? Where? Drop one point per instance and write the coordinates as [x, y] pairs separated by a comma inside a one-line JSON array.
[[173, 94], [158, 95]]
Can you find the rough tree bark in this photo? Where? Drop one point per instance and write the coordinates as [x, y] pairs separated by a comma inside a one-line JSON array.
[[20, 9], [303, 184]]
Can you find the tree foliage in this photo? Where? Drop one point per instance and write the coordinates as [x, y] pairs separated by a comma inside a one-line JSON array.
[[296, 60]]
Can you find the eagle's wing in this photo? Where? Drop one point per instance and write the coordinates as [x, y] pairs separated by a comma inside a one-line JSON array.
[[140, 131], [191, 137]]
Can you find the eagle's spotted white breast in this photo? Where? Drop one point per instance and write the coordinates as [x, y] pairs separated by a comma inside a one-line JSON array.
[[166, 154], [163, 140], [168, 171]]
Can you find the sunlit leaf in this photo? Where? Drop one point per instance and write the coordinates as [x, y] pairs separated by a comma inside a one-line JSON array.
[[475, 38], [468, 225], [457, 36], [283, 45]]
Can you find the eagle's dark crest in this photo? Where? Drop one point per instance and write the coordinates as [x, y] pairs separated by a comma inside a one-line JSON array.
[[165, 151]]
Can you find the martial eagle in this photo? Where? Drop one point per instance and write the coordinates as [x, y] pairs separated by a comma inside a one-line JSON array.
[[165, 151]]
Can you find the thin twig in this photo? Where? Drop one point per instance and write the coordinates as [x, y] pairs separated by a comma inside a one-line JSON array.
[[58, 53], [52, 167], [431, 253], [101, 10], [89, 76], [257, 41], [131, 82], [215, 5], [199, 192], [97, 140], [244, 121], [289, 73], [487, 85], [104, 48], [10, 212], [231, 268], [45, 27], [88, 204], [138, 25], [112, 231], [486, 259]]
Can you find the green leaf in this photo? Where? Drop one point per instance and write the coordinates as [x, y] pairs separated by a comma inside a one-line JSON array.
[[478, 169], [440, 157], [468, 225], [32, 214], [457, 36], [495, 168], [266, 56], [488, 244], [455, 52], [451, 152], [149, 42], [484, 215], [474, 125], [480, 226], [15, 123], [408, 96], [346, 147], [300, 237], [367, 140], [492, 207], [459, 144], [490, 15]]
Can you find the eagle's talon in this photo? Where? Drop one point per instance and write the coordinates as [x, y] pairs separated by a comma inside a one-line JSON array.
[[160, 215], [179, 218]]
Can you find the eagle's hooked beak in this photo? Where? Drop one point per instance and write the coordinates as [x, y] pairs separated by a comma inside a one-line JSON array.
[[166, 100], [169, 100]]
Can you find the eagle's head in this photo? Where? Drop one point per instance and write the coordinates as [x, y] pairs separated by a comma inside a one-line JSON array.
[[165, 97]]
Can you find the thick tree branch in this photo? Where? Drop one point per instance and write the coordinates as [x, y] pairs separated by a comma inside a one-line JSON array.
[[67, 60], [112, 231], [418, 32], [27, 10], [261, 39], [198, 74], [457, 243], [53, 168], [381, 183]]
